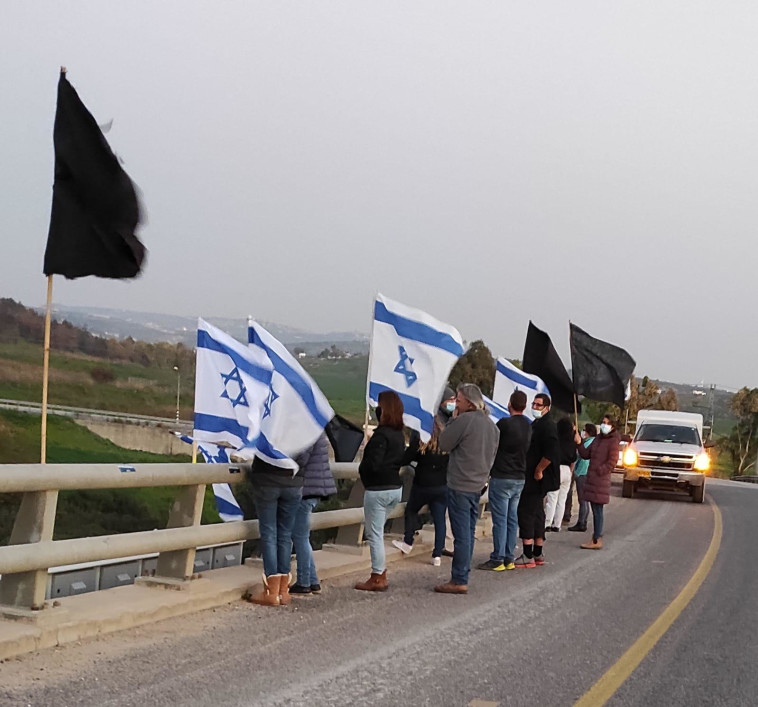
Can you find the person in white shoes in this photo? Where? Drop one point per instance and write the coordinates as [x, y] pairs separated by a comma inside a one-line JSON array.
[[429, 482]]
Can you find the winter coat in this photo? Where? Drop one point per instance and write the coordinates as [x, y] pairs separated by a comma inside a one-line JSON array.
[[431, 467], [318, 481], [380, 467], [603, 454]]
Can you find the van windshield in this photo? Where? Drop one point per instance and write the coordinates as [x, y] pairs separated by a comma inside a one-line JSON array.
[[675, 434]]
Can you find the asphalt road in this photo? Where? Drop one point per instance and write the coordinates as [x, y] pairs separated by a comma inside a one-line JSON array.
[[529, 637]]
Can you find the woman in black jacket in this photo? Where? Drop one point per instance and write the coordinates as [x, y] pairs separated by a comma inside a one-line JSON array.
[[429, 482], [380, 473]]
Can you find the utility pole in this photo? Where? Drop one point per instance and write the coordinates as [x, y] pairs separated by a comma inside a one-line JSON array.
[[178, 390]]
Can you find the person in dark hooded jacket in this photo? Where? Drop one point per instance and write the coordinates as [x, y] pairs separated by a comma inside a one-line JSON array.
[[603, 454], [318, 485]]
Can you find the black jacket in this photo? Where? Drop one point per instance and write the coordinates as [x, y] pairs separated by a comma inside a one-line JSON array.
[[545, 444], [380, 467], [431, 467], [515, 436]]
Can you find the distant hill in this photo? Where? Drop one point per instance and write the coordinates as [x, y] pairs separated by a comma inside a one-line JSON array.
[[151, 327]]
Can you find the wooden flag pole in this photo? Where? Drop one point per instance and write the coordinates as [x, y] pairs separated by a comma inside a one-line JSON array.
[[368, 371], [46, 367], [576, 414]]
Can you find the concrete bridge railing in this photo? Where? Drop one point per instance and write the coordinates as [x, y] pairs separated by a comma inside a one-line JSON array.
[[24, 563]]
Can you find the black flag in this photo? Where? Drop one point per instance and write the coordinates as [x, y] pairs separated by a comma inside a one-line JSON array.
[[541, 359], [95, 208], [601, 371], [345, 438]]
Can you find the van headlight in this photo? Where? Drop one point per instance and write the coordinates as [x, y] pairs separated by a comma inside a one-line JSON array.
[[702, 462], [630, 457]]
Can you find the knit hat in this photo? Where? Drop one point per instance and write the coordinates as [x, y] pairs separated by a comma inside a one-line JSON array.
[[448, 393]]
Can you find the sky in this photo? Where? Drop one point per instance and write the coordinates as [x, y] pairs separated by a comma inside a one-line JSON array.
[[487, 162]]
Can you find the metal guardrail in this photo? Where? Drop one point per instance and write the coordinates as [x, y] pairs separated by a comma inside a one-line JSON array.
[[24, 568], [752, 479]]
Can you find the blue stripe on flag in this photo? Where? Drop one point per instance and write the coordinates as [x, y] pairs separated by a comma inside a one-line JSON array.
[[265, 447], [228, 508], [206, 341], [411, 406], [214, 423], [517, 377], [423, 333], [292, 377]]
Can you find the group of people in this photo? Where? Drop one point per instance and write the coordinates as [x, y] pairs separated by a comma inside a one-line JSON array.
[[526, 467]]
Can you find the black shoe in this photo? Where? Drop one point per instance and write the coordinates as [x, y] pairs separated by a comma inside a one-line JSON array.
[[315, 589], [298, 589], [555, 529], [577, 528], [447, 553], [549, 529]]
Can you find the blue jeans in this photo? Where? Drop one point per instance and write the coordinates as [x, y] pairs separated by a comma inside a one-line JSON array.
[[504, 496], [277, 508], [301, 539], [597, 520], [436, 498], [584, 506], [463, 510], [377, 505]]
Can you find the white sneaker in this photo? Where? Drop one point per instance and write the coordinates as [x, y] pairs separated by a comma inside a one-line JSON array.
[[402, 546], [436, 561]]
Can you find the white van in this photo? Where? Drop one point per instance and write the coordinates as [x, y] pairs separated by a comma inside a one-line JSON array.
[[667, 453]]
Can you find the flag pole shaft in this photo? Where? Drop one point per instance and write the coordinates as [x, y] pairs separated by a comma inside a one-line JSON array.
[[576, 414], [46, 369], [368, 371]]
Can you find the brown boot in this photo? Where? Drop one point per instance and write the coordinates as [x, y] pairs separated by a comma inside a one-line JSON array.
[[376, 583], [270, 594], [594, 544], [450, 588], [284, 589]]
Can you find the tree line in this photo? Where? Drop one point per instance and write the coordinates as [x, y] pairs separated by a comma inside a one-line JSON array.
[[20, 323]]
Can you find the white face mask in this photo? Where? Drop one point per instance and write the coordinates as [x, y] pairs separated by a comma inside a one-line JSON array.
[[584, 435], [537, 414], [605, 428], [450, 407]]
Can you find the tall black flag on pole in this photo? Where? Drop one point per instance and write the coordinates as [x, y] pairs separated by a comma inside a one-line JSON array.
[[95, 208], [601, 371], [541, 359]]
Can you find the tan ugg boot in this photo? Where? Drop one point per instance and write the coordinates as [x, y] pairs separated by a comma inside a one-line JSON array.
[[594, 544], [284, 589], [270, 594]]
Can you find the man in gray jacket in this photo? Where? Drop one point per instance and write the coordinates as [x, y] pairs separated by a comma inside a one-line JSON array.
[[471, 439]]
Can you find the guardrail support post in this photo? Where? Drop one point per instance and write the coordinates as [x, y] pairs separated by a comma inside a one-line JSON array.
[[186, 511], [352, 534], [34, 522]]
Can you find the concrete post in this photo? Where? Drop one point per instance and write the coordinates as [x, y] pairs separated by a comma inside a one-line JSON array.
[[352, 534], [186, 511], [397, 525], [34, 523]]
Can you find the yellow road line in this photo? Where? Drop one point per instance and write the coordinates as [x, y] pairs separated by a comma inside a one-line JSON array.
[[614, 677]]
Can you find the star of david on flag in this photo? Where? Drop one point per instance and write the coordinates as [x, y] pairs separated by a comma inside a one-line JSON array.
[[226, 504], [412, 354], [295, 411], [231, 386], [508, 379]]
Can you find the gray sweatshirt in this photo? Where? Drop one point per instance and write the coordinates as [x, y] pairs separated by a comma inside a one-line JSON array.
[[471, 440]]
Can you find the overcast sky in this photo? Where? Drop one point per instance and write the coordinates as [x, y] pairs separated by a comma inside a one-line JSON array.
[[488, 162]]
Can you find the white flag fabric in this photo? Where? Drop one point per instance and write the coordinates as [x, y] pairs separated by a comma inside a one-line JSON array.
[[226, 504], [232, 384], [508, 379], [412, 354], [295, 411], [496, 412]]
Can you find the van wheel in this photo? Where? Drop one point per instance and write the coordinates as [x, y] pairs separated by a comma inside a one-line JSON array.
[[627, 489], [698, 494]]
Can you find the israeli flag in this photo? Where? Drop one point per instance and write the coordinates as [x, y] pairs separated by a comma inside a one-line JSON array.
[[496, 412], [226, 505], [295, 411], [412, 354], [232, 383], [508, 379]]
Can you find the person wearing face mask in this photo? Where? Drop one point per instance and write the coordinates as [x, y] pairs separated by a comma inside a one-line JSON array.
[[471, 440], [602, 455], [542, 475], [587, 435], [429, 481]]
